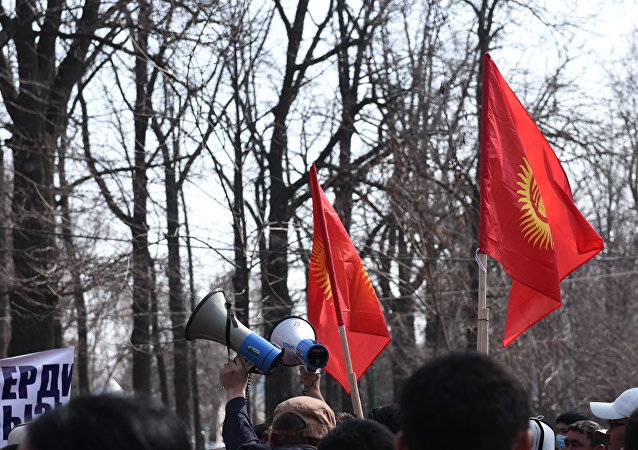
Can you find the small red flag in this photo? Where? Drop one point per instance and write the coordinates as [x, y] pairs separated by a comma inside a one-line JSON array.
[[340, 293], [528, 219]]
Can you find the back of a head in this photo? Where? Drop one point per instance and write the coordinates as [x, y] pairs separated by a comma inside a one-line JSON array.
[[357, 434], [108, 423], [340, 416], [543, 437], [631, 432], [463, 400], [388, 415], [301, 420]]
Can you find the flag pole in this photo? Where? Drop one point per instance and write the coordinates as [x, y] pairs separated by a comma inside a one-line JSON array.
[[483, 313], [352, 377], [483, 329]]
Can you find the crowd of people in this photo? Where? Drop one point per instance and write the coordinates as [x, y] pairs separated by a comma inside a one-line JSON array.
[[456, 401]]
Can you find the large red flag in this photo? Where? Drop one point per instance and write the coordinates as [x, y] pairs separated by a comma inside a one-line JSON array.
[[529, 221], [344, 297]]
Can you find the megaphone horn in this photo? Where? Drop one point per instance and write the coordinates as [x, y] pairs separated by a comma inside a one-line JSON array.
[[210, 320], [297, 337]]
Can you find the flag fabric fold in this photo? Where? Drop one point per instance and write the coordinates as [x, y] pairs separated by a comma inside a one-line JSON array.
[[528, 219], [340, 293]]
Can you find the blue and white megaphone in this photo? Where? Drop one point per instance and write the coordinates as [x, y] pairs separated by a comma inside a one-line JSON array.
[[213, 320], [298, 339]]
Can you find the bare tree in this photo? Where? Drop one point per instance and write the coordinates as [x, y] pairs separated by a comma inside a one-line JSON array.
[[36, 82]]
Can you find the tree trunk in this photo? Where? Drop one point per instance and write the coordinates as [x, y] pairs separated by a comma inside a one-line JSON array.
[[181, 380], [276, 298], [403, 319], [140, 336], [74, 266], [38, 119], [5, 261], [33, 302], [197, 421], [158, 351], [33, 299]]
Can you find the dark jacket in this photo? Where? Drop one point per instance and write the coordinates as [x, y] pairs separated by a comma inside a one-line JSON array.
[[238, 432]]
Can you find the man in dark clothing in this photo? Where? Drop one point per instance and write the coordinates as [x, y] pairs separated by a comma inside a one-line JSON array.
[[463, 401], [631, 432], [299, 423]]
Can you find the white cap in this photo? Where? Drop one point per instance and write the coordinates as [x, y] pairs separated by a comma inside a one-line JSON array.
[[621, 408], [542, 435], [17, 434]]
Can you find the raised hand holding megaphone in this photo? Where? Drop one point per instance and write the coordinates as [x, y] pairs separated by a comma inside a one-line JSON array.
[[298, 339], [213, 320]]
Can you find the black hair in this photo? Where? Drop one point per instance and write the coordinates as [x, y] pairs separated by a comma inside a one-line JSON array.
[[108, 422], [590, 429], [340, 416], [262, 430], [631, 432], [570, 417], [388, 415], [357, 434], [468, 391]]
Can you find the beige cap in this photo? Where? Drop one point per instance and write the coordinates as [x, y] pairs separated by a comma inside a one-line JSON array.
[[317, 416]]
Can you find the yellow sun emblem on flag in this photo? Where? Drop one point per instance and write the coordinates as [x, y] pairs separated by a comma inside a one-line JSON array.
[[534, 224], [319, 270]]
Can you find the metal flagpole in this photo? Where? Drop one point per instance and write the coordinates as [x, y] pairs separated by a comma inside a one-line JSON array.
[[483, 329]]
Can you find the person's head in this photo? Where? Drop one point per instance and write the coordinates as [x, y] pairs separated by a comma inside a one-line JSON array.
[[463, 400], [388, 415], [585, 435], [262, 430], [107, 422], [563, 422], [357, 434], [542, 435], [566, 419], [631, 431], [301, 420], [340, 416], [616, 414]]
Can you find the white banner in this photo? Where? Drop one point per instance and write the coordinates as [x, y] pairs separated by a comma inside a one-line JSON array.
[[32, 384]]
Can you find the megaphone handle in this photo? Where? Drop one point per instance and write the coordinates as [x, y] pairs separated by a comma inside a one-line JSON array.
[[230, 320], [248, 365]]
